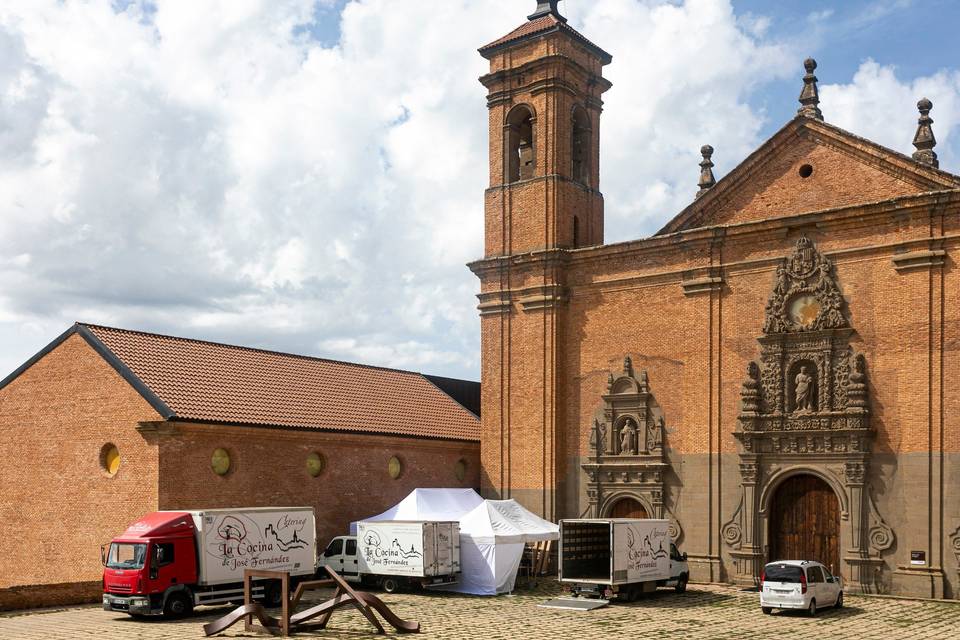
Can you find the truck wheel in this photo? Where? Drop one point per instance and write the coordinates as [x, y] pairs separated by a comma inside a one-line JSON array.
[[681, 584], [273, 594], [177, 605], [390, 585]]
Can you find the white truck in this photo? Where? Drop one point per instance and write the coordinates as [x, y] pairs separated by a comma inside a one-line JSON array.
[[622, 557], [169, 561], [396, 553]]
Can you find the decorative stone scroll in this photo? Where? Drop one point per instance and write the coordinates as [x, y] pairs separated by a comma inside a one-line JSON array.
[[804, 409], [626, 449]]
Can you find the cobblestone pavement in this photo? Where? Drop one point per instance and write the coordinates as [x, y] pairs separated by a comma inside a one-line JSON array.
[[705, 611]]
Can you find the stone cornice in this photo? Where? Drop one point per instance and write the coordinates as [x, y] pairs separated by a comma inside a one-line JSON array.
[[915, 260], [825, 219], [505, 76]]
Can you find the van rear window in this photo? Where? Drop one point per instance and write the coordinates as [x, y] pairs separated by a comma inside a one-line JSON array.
[[781, 573]]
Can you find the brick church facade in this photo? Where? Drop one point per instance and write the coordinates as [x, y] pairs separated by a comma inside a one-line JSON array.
[[774, 371]]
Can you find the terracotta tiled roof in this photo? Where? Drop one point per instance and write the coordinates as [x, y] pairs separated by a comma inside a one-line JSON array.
[[537, 26], [219, 383]]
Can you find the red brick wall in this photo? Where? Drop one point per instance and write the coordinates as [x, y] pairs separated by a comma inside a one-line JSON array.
[[268, 468], [58, 505]]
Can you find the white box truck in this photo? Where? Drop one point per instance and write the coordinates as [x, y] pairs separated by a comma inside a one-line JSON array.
[[169, 561], [622, 557], [397, 553]]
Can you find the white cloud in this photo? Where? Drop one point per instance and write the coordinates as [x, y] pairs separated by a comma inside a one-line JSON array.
[[881, 107], [206, 169]]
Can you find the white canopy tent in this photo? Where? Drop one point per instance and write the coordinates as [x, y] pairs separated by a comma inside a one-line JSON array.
[[429, 504], [492, 538], [492, 533]]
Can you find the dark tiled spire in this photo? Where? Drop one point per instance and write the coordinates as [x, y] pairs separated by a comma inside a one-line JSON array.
[[924, 140], [546, 8], [706, 170], [810, 97]]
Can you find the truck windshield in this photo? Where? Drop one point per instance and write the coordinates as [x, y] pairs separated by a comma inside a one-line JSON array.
[[781, 573], [126, 555]]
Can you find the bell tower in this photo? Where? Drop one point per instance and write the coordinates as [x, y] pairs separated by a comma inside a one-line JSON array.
[[544, 90]]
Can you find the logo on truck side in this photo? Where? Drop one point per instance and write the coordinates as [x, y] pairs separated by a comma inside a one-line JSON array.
[[395, 554], [645, 557]]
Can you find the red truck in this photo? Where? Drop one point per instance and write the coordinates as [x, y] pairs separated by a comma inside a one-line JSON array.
[[167, 562]]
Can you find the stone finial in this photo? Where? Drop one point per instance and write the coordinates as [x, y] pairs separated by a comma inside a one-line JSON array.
[[924, 140], [546, 8], [809, 96], [627, 366], [706, 170]]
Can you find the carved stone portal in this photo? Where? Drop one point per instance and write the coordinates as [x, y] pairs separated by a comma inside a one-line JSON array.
[[626, 449], [804, 409]]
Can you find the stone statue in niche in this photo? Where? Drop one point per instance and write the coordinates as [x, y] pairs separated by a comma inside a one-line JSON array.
[[803, 392], [628, 438]]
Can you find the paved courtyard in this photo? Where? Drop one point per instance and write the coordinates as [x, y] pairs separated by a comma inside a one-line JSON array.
[[705, 611]]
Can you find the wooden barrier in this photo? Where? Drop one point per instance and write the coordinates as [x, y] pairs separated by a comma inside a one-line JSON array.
[[343, 596]]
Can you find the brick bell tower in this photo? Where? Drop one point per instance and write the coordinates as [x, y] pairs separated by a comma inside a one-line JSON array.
[[544, 98]]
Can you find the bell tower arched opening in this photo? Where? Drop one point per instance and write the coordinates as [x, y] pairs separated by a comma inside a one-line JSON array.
[[521, 157]]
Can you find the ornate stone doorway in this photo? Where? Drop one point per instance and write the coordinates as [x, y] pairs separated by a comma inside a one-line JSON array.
[[805, 522], [627, 508], [805, 411]]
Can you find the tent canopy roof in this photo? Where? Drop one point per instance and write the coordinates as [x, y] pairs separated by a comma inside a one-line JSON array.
[[506, 521]]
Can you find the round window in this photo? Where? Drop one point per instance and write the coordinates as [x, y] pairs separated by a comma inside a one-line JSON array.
[[315, 464], [220, 462], [460, 469], [394, 467], [110, 459]]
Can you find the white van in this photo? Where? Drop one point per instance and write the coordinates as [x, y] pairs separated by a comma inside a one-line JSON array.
[[394, 553], [799, 584]]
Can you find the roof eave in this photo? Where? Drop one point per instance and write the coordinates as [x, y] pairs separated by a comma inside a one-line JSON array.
[[488, 51], [109, 356]]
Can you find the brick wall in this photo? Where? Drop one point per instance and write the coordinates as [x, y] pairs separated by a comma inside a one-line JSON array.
[[58, 505], [268, 468]]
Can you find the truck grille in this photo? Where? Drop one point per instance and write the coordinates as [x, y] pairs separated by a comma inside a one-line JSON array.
[[119, 588]]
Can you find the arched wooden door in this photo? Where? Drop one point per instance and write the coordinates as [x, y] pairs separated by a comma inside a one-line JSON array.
[[627, 508], [805, 522]]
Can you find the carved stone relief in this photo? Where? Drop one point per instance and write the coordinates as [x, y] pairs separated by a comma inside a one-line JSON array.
[[804, 406], [626, 449]]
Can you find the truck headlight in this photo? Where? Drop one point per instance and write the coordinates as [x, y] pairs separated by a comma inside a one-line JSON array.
[[106, 599]]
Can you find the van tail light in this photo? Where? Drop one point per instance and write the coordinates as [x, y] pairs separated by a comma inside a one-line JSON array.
[[763, 576], [803, 582]]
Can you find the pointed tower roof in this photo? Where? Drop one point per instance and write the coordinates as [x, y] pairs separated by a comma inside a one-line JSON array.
[[545, 19]]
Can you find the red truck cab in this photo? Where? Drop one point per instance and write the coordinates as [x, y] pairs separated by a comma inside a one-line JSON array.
[[148, 570]]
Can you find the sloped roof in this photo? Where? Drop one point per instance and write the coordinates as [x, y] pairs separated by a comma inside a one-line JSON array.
[[927, 178], [194, 380], [540, 26]]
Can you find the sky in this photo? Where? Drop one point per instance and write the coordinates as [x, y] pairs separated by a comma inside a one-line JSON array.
[[308, 175]]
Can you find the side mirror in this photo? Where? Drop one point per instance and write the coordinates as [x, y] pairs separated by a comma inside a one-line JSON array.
[[103, 555], [683, 556], [327, 553], [155, 563]]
